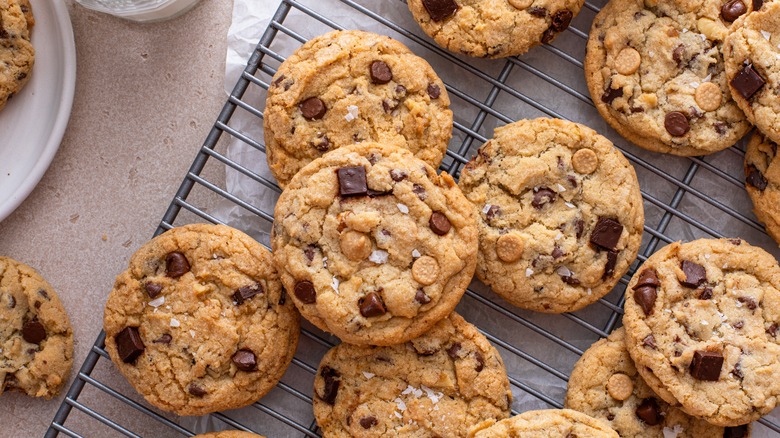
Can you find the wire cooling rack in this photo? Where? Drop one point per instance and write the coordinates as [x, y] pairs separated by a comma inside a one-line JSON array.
[[685, 198]]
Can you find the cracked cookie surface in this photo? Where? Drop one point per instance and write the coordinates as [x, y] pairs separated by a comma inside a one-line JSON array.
[[656, 74], [36, 339], [200, 322], [347, 87], [549, 423], [762, 181], [373, 245], [17, 55], [701, 323], [560, 214], [493, 28], [439, 384]]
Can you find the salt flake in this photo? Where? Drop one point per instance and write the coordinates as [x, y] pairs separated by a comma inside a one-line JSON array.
[[558, 236], [192, 333], [335, 284], [379, 257], [157, 302], [416, 253], [368, 375], [673, 432], [570, 205], [352, 113], [695, 85], [561, 188], [529, 272], [563, 271], [401, 404], [708, 78], [175, 322], [404, 209], [486, 208], [767, 35]]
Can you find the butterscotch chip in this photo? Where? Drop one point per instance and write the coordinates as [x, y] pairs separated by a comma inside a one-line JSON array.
[[708, 96], [355, 246], [620, 386], [425, 270], [585, 161], [627, 61], [509, 247]]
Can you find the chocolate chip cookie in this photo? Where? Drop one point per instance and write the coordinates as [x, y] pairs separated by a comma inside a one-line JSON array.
[[605, 384], [36, 340], [200, 322], [347, 87], [549, 423], [17, 55], [702, 318], [493, 28], [561, 215], [752, 67], [656, 74], [439, 384], [373, 245], [229, 434], [762, 180]]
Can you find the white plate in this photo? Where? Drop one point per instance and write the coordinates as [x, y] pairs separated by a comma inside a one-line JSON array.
[[33, 122]]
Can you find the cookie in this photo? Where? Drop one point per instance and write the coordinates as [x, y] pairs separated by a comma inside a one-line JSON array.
[[347, 87], [656, 74], [229, 434], [440, 384], [373, 245], [561, 215], [752, 67], [17, 55], [549, 423], [36, 339], [702, 318], [26, 8], [606, 385], [762, 180], [200, 322]]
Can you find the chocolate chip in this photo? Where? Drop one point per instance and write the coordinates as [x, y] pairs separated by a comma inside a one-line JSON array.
[[164, 339], [480, 361], [11, 301], [37, 304], [579, 227], [372, 305], [755, 178], [561, 20], [376, 193], [606, 233], [400, 90], [610, 94], [278, 81], [245, 360], [548, 35], [43, 293], [695, 274], [352, 181], [421, 297], [398, 175], [33, 332], [757, 4], [282, 297], [309, 252], [196, 390], [732, 10], [747, 81], [706, 365], [368, 422], [420, 192], [677, 54], [676, 124], [537, 11], [720, 127], [570, 280], [736, 242], [321, 144], [439, 223], [542, 196], [176, 265], [453, 351], [380, 73], [737, 371], [649, 342], [153, 289], [648, 277], [304, 291], [706, 294], [434, 91], [749, 302], [389, 106], [738, 325], [313, 108], [247, 292], [557, 252], [129, 344], [440, 9], [645, 296], [331, 385], [772, 330], [649, 412], [737, 431], [492, 212], [609, 268]]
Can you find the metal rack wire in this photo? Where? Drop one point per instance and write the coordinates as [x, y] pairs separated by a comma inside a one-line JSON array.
[[685, 198]]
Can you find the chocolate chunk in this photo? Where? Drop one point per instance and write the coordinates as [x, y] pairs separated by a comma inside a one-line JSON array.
[[649, 342], [706, 294], [398, 175], [309, 252], [480, 361], [43, 293], [421, 297], [278, 81], [322, 144], [610, 94], [372, 305], [648, 277], [557, 252], [757, 4], [570, 280], [579, 227], [736, 241], [649, 412], [720, 127], [389, 106], [537, 11], [609, 268], [492, 212], [542, 196], [737, 371], [738, 325], [737, 431], [376, 193], [772, 330], [706, 365], [561, 20], [677, 55], [755, 178], [749, 302], [313, 108], [747, 81], [420, 192], [153, 289], [304, 291], [439, 223], [196, 390], [164, 339], [695, 274], [606, 233], [676, 124], [129, 344], [368, 422], [33, 332], [352, 181], [439, 10], [247, 292], [176, 265], [434, 91], [732, 10], [453, 351], [331, 385], [245, 360], [380, 73], [645, 296]]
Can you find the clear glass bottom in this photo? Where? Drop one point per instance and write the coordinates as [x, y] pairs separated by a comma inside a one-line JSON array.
[[141, 10]]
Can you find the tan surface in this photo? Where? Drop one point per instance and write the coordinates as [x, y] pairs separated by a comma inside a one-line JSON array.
[[145, 100]]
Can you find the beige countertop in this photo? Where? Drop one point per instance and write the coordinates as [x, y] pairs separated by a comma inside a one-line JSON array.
[[146, 97]]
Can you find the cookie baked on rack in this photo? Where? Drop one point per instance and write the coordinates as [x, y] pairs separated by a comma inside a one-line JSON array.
[[762, 180]]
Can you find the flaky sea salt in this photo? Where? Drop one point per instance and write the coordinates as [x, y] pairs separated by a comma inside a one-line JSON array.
[[673, 432], [529, 272], [335, 285], [558, 236], [368, 375], [703, 322], [352, 113], [486, 208], [175, 322], [192, 333], [402, 208], [325, 262], [432, 395], [570, 205], [695, 85], [561, 188], [416, 253], [590, 291], [708, 78], [767, 35], [378, 256], [157, 302], [400, 403], [563, 271]]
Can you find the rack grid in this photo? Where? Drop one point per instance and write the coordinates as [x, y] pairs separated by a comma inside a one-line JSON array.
[[685, 198]]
